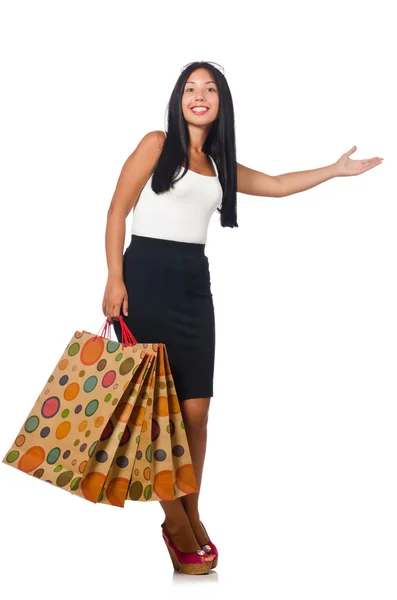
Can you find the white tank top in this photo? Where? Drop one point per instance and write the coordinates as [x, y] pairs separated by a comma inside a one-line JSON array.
[[182, 213]]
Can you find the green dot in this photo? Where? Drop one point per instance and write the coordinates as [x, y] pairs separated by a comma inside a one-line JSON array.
[[73, 349], [91, 408], [112, 346], [12, 456], [31, 424], [107, 397], [58, 468], [149, 453], [53, 456], [65, 412], [93, 448], [75, 483]]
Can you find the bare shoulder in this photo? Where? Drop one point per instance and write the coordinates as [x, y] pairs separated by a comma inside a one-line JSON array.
[[148, 149], [136, 171], [154, 140], [256, 183]]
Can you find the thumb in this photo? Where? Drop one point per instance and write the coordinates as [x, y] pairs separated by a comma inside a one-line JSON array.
[[353, 149]]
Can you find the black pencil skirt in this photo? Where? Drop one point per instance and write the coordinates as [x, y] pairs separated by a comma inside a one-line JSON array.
[[170, 301]]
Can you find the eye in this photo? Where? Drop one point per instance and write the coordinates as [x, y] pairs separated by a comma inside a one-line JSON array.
[[210, 88]]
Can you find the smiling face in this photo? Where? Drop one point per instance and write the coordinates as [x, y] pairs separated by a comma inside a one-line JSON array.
[[200, 91]]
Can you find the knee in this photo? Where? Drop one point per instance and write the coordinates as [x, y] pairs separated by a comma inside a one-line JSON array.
[[195, 413]]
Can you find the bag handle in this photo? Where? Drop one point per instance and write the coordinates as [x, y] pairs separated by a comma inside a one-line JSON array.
[[127, 338]]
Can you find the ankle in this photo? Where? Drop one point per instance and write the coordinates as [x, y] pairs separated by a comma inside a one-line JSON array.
[[194, 518], [175, 526]]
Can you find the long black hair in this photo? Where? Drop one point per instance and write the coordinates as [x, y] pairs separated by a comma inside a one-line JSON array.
[[220, 143]]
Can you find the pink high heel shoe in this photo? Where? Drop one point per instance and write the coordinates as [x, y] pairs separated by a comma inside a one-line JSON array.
[[191, 563], [210, 548]]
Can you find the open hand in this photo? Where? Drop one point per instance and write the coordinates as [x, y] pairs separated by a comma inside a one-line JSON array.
[[346, 166]]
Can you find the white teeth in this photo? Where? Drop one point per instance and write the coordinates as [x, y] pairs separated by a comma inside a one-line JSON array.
[[199, 109]]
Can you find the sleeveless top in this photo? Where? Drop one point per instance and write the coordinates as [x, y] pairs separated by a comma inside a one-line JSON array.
[[181, 214]]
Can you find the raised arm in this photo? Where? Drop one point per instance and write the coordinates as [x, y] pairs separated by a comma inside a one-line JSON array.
[[257, 183]]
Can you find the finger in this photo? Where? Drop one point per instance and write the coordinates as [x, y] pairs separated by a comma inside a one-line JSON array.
[[374, 161], [368, 166], [125, 307], [370, 160], [371, 166], [116, 312], [352, 149]]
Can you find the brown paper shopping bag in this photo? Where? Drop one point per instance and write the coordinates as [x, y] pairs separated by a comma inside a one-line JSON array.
[[107, 425]]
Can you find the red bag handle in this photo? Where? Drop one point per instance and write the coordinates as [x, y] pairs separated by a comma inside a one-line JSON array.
[[127, 338]]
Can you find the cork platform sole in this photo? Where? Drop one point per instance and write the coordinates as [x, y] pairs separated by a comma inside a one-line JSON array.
[[202, 568]]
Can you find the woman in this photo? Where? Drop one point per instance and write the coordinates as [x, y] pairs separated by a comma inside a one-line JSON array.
[[161, 284]]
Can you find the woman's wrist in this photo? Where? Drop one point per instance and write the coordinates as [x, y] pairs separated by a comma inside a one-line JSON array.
[[115, 276]]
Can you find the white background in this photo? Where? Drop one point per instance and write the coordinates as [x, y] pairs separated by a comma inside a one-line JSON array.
[[299, 489]]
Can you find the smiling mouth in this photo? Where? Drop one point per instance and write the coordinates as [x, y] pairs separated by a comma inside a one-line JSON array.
[[202, 111]]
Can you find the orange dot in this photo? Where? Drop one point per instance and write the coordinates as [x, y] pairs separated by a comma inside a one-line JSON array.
[[163, 485], [62, 430], [144, 426], [91, 485], [31, 459], [20, 440], [160, 362], [123, 411], [147, 473], [186, 479], [162, 406], [174, 404], [92, 350], [138, 415], [82, 466], [116, 491], [71, 391], [63, 364], [99, 421]]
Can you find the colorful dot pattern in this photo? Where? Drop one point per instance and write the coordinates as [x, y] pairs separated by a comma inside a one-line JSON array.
[[108, 426]]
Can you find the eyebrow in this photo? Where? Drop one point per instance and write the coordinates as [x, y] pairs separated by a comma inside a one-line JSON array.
[[204, 81]]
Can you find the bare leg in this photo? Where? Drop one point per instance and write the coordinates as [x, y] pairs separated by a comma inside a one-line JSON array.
[[195, 418], [181, 515]]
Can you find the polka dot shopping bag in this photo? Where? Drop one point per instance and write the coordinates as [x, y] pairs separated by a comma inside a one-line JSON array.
[[107, 425]]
